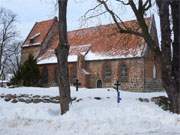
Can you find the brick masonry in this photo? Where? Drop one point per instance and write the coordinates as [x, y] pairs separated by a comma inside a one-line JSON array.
[[140, 74]]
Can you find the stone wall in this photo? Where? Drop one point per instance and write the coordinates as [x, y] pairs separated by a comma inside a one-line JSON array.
[[139, 74], [152, 82], [135, 79], [151, 61], [52, 73]]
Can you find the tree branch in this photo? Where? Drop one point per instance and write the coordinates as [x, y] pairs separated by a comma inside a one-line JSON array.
[[114, 16]]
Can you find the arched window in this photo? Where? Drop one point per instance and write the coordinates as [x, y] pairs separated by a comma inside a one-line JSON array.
[[123, 73], [107, 72], [154, 72]]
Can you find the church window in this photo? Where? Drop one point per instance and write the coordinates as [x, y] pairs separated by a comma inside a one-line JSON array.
[[123, 73], [154, 72], [31, 41], [107, 72]]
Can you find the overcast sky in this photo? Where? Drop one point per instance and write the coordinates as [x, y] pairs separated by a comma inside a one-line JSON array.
[[30, 11]]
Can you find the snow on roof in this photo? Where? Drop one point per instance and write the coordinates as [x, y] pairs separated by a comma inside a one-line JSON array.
[[80, 49], [34, 36], [91, 56], [53, 59], [50, 57], [34, 44]]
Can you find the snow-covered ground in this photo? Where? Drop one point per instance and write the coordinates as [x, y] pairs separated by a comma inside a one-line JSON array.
[[88, 116]]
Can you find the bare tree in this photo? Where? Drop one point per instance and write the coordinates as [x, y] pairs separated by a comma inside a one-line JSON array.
[[12, 56], [170, 65], [7, 35], [62, 54]]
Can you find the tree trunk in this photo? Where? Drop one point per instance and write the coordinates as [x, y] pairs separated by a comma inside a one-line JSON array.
[[62, 55], [175, 8], [169, 60]]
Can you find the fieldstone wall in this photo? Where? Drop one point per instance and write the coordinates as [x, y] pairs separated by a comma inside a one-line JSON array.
[[139, 74], [135, 81], [152, 83]]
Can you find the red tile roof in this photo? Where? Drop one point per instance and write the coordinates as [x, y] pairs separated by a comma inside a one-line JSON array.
[[39, 32], [104, 40]]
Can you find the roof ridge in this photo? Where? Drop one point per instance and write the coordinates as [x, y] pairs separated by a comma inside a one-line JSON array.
[[104, 25], [52, 19]]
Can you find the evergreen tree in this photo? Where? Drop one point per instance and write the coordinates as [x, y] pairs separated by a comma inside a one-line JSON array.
[[30, 71], [28, 74]]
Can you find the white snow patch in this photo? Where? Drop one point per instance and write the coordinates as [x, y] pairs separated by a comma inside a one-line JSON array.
[[85, 72], [53, 59], [34, 44], [88, 116]]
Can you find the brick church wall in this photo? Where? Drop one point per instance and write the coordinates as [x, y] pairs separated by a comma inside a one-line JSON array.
[[52, 73], [51, 69], [140, 74], [135, 73], [152, 83], [151, 60], [135, 80]]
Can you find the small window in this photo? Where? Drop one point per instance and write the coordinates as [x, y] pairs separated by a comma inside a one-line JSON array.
[[107, 72], [123, 73], [31, 41], [32, 38], [154, 72]]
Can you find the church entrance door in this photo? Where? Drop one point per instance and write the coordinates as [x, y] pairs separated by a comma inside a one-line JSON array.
[[99, 84]]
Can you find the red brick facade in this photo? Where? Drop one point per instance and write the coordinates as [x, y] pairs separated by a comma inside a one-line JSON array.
[[139, 74]]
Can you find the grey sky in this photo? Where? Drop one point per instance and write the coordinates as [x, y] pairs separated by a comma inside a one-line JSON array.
[[30, 11]]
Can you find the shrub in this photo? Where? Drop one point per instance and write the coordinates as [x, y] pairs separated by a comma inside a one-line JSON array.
[[28, 74]]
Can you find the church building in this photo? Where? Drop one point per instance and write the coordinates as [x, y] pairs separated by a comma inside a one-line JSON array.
[[98, 56]]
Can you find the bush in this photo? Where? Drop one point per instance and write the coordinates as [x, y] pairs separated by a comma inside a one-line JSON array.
[[28, 74]]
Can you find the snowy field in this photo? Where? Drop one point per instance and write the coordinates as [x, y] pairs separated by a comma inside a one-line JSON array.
[[88, 116]]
